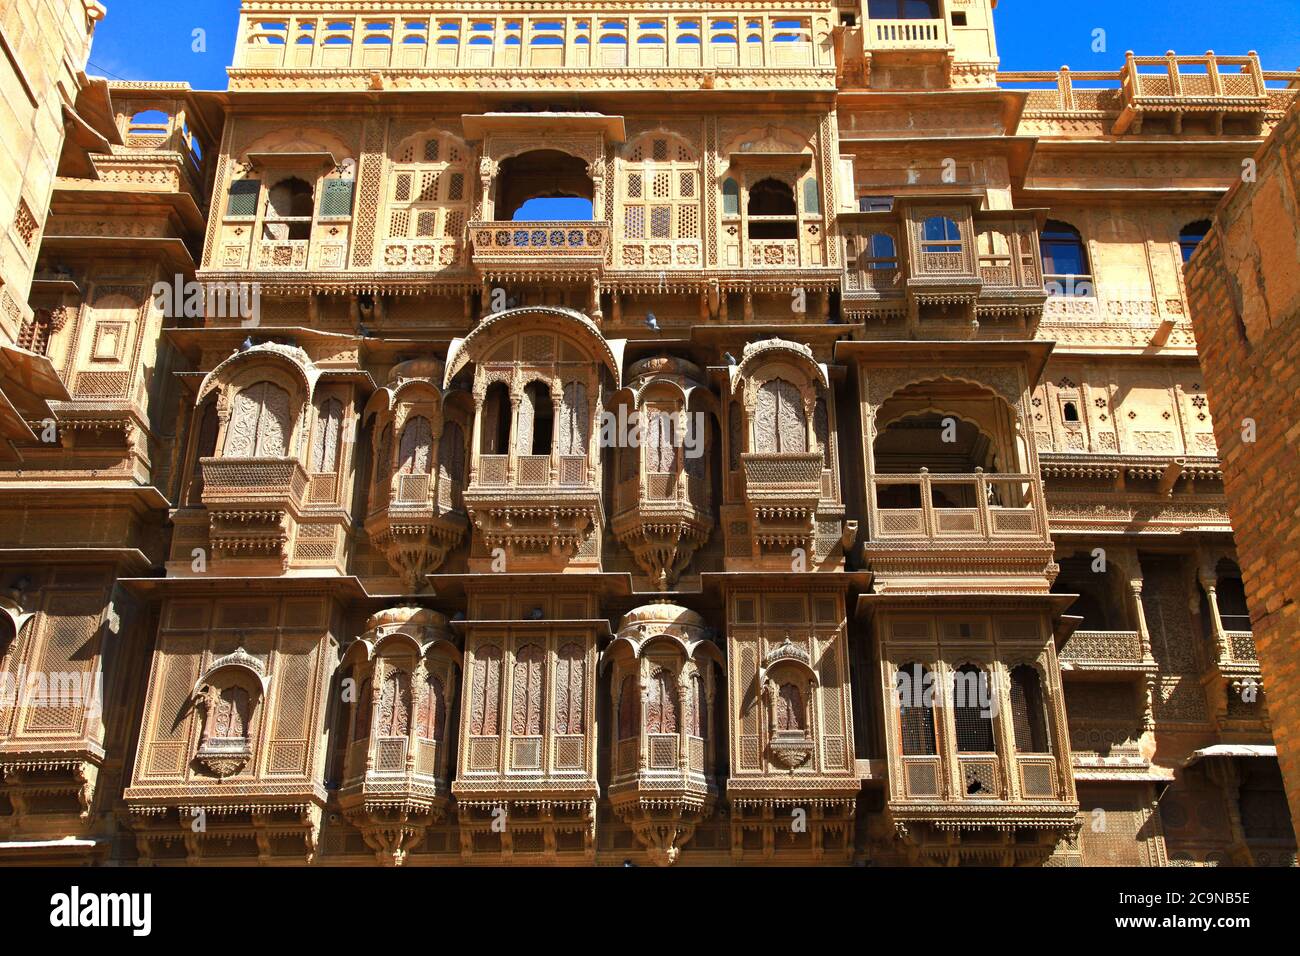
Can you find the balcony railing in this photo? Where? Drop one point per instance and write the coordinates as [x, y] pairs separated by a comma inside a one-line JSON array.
[[251, 483], [970, 507], [774, 478], [443, 37], [1218, 80], [1098, 649], [907, 34], [530, 471], [1241, 647], [507, 246]]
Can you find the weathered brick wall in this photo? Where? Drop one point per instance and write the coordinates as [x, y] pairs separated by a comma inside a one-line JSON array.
[[1244, 283]]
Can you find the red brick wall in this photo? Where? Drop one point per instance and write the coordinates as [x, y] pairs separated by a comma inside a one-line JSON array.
[[1244, 284]]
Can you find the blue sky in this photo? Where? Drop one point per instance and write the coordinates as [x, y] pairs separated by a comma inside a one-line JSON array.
[[152, 39]]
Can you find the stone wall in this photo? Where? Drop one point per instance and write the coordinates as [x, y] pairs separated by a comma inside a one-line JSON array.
[[1244, 283]]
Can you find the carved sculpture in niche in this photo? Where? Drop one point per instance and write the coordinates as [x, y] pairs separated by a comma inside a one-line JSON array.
[[788, 688], [227, 698]]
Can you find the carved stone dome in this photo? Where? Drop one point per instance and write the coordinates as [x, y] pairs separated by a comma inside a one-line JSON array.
[[407, 614], [661, 613], [427, 368], [664, 365]]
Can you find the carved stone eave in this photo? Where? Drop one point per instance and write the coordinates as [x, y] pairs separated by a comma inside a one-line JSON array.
[[663, 538], [29, 776], [415, 541], [663, 812], [171, 820]]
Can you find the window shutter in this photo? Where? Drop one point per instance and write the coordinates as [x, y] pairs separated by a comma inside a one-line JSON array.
[[730, 198], [336, 199], [243, 197], [811, 199]]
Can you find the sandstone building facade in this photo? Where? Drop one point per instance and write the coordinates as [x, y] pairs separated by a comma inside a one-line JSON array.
[[839, 486]]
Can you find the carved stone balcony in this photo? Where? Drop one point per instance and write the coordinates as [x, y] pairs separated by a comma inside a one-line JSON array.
[[991, 272], [253, 505], [1106, 652], [908, 35], [422, 521], [538, 250], [928, 523], [1174, 86], [663, 522], [542, 510], [783, 491]]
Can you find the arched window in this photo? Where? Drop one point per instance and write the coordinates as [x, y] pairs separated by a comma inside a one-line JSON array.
[[735, 435], [1065, 260], [395, 705], [1028, 712], [790, 714], [730, 194], [417, 447], [288, 210], [780, 425], [1070, 412], [697, 718], [822, 430], [627, 708], [879, 252], [972, 710], [384, 464], [1234, 613], [494, 429], [431, 721], [575, 420], [771, 210], [205, 446], [570, 668], [259, 423], [526, 691], [914, 684], [536, 420], [485, 691], [1191, 235], [325, 436], [451, 460], [661, 704], [660, 448], [940, 235], [365, 701]]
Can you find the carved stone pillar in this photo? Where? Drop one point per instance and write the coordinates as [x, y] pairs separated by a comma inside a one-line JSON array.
[[1209, 583]]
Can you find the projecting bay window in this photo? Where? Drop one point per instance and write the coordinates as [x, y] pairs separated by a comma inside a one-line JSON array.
[[286, 214]]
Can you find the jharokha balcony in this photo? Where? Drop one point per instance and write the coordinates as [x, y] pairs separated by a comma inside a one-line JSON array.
[[253, 505], [943, 268], [527, 250]]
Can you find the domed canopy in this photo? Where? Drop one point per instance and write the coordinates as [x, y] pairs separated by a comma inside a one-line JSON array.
[[661, 613]]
